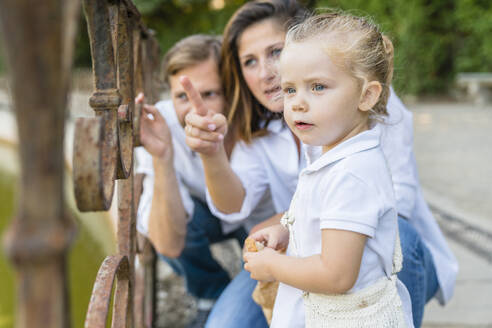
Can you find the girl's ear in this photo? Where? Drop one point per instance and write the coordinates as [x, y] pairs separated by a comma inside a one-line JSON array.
[[370, 95]]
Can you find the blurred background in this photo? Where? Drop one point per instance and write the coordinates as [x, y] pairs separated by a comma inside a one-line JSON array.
[[434, 40]]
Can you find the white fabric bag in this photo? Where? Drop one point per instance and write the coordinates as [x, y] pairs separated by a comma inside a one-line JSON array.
[[378, 305]]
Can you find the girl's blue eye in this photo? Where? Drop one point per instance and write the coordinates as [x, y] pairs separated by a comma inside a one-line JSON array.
[[318, 87]]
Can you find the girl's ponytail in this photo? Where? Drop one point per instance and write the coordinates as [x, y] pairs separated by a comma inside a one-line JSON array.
[[387, 75]]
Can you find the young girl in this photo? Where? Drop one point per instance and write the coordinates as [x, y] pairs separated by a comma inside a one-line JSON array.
[[344, 250]]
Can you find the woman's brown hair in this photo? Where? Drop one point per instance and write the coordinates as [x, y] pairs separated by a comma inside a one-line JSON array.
[[247, 117]]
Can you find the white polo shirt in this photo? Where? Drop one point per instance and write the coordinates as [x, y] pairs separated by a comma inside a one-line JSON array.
[[187, 165], [271, 164], [347, 188]]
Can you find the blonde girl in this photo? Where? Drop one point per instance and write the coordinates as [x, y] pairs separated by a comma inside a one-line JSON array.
[[344, 252]]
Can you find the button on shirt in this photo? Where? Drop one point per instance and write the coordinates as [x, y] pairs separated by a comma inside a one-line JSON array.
[[347, 188]]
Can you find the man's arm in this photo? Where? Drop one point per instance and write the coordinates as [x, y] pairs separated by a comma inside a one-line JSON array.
[[167, 218]]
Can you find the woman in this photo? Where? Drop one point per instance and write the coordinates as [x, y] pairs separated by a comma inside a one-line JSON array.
[[267, 159]]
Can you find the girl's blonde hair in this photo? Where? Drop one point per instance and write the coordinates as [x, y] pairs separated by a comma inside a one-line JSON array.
[[354, 42]]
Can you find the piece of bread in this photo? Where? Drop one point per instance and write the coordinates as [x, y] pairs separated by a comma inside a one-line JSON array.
[[264, 295], [252, 245], [265, 292]]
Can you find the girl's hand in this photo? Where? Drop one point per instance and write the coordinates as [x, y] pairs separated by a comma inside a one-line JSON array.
[[258, 264], [276, 237], [154, 132], [205, 129]]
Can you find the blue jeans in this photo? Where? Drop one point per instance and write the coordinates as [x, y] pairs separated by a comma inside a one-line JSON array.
[[235, 307], [204, 276], [418, 273]]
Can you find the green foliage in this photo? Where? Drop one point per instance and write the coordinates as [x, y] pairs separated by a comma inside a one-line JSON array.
[[176, 19], [171, 19], [7, 296], [82, 54], [2, 60], [421, 31], [474, 23], [433, 39]]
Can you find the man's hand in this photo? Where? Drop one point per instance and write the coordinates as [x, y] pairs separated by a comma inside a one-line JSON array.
[[154, 132], [205, 129]]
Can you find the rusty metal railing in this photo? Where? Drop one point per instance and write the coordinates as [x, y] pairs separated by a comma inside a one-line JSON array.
[[124, 61], [39, 39], [39, 43]]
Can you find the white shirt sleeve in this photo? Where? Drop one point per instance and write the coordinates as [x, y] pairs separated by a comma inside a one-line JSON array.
[[145, 166], [143, 161], [397, 145], [247, 165], [350, 204]]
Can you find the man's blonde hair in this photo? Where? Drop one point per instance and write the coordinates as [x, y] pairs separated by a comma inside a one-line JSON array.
[[190, 51]]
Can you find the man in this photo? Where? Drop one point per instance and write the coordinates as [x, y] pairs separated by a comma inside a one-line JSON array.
[[173, 212]]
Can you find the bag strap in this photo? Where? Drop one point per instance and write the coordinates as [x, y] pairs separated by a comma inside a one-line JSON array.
[[397, 254], [288, 220]]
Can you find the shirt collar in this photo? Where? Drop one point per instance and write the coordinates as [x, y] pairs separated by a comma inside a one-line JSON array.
[[360, 142]]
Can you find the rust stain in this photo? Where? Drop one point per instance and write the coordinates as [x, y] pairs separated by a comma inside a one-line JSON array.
[[125, 60]]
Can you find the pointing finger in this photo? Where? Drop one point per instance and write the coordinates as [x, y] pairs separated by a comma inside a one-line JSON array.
[[193, 95]]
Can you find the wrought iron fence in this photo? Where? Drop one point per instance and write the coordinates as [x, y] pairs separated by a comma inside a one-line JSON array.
[[39, 41]]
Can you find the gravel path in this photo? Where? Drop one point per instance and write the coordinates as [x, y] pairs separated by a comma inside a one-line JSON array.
[[175, 307]]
